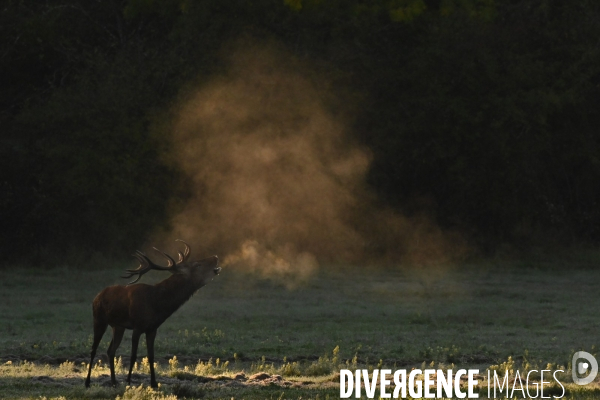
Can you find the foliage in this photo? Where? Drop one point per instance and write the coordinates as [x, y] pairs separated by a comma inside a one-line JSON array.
[[481, 134], [325, 365], [482, 113], [208, 368], [144, 393]]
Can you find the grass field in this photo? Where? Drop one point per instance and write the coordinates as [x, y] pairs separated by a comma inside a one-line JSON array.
[[473, 316]]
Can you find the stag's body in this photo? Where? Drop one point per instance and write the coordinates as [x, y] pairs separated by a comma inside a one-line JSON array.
[[143, 308]]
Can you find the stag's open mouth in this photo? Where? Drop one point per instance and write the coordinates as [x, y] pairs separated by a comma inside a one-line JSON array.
[[217, 270]]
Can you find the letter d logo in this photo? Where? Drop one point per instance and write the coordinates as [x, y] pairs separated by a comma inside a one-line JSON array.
[[580, 367]]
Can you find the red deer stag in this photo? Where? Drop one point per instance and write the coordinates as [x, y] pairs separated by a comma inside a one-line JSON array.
[[143, 308]]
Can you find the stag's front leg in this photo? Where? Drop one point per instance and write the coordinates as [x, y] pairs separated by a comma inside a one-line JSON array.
[[150, 336], [135, 339], [112, 349]]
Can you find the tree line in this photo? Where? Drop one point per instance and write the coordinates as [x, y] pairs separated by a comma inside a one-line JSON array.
[[481, 113]]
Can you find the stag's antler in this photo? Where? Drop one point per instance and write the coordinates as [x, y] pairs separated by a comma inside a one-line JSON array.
[[146, 265], [186, 253], [170, 260]]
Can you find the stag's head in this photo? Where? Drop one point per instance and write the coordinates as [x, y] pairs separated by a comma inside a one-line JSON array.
[[198, 272], [201, 272]]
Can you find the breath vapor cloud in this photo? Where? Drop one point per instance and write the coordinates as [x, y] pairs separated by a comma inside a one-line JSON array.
[[276, 182]]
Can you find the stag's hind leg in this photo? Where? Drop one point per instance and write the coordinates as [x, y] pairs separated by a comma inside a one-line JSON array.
[[99, 329], [112, 349]]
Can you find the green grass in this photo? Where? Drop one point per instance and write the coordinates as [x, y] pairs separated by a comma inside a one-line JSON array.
[[474, 316]]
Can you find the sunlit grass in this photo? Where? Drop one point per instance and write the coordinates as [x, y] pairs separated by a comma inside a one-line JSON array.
[[316, 379]]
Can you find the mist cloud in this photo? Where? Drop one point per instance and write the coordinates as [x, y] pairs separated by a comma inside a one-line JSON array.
[[277, 183]]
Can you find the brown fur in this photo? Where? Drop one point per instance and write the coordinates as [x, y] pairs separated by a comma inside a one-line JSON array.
[[143, 308]]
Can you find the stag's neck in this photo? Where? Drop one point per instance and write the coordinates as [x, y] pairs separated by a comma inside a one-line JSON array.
[[173, 292]]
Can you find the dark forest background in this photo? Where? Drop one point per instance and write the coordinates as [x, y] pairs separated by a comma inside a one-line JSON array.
[[483, 114]]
